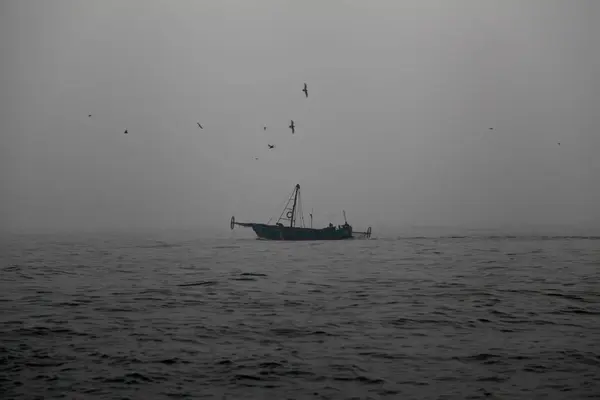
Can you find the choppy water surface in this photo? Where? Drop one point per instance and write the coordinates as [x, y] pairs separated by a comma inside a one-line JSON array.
[[144, 317]]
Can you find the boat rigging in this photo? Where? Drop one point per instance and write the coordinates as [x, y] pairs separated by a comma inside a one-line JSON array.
[[291, 226]]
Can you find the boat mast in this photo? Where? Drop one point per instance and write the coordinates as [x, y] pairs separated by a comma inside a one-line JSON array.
[[294, 206]]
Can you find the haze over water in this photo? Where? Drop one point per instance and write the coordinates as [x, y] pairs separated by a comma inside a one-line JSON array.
[[464, 132], [396, 128]]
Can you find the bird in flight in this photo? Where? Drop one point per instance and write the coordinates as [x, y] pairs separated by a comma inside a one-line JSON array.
[[200, 126], [559, 143], [256, 158], [292, 127], [271, 146], [89, 115], [491, 129], [305, 90], [125, 132], [264, 128]]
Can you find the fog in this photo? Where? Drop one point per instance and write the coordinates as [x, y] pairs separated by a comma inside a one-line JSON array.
[[395, 130]]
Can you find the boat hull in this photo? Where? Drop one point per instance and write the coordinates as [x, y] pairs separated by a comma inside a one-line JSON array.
[[276, 232]]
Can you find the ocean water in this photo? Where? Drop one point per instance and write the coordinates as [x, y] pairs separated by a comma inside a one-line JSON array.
[[157, 317]]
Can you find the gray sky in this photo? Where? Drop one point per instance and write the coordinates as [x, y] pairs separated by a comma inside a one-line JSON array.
[[395, 130]]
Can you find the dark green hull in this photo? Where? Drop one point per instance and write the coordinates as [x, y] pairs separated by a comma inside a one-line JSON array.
[[277, 232], [292, 230]]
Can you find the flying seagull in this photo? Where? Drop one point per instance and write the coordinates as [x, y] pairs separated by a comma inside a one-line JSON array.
[[199, 125], [292, 127], [271, 146], [256, 158], [305, 90], [264, 128], [125, 132], [559, 143], [89, 115], [491, 129]]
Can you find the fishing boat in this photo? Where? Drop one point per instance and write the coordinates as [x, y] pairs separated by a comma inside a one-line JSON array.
[[290, 225]]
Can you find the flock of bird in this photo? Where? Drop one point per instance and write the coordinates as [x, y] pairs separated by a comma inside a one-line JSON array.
[[292, 126]]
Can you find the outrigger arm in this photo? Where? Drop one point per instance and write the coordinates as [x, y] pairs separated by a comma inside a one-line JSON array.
[[232, 223], [367, 234]]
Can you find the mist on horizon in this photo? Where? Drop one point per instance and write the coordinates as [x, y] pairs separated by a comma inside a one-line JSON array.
[[435, 113]]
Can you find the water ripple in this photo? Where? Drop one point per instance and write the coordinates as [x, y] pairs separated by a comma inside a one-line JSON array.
[[414, 318]]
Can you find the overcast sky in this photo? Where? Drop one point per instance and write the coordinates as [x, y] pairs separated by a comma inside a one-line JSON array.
[[396, 128]]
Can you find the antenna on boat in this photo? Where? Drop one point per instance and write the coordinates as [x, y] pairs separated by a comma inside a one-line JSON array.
[[311, 212], [344, 212]]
